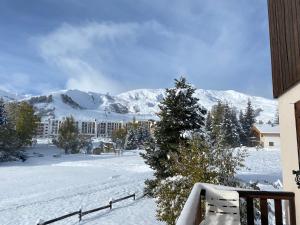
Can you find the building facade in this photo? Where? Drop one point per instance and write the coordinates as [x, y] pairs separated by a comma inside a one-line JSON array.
[[92, 128], [267, 136], [284, 24]]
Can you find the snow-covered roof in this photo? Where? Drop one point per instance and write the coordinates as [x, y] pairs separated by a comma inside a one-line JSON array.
[[267, 128]]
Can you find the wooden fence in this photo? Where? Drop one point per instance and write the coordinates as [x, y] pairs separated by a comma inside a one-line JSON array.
[[81, 213]]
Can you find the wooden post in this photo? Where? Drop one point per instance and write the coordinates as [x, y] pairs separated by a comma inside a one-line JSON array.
[[278, 212], [250, 211], [134, 196], [292, 210], [264, 211], [110, 205], [80, 215]]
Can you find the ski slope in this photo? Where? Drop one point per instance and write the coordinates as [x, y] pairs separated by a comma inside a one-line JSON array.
[[47, 187], [141, 104]]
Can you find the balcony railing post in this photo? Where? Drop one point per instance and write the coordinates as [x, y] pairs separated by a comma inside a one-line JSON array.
[[278, 212], [264, 211], [292, 211], [250, 211]]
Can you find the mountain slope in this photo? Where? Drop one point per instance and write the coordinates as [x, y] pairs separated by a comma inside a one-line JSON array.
[[8, 96], [141, 103]]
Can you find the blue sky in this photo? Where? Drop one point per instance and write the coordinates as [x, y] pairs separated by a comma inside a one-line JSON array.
[[118, 45]]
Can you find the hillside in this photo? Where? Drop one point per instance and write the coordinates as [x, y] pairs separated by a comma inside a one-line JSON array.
[[141, 103]]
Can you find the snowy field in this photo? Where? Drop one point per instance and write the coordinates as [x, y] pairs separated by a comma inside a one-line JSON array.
[[47, 187]]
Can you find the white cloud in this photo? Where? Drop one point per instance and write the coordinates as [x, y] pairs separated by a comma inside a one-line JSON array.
[[78, 52]]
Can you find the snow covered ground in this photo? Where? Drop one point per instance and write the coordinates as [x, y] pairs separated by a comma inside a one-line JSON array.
[[47, 187]]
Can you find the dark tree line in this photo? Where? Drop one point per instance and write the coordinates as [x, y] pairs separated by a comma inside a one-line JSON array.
[[228, 128]]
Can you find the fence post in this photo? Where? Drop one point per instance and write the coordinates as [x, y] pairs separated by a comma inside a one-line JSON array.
[[80, 215], [110, 205], [134, 196]]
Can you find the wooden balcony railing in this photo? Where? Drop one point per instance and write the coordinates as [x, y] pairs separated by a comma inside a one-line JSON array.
[[263, 197], [194, 212]]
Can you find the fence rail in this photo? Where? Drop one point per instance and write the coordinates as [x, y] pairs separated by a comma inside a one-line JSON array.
[[81, 213]]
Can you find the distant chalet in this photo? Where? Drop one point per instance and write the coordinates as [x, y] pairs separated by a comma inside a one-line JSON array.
[[268, 136]]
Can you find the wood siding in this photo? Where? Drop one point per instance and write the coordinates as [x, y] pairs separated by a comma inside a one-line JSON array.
[[284, 22]]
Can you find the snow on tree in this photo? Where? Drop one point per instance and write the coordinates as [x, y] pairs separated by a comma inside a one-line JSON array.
[[229, 130], [143, 134], [68, 137], [3, 118], [179, 113], [10, 142], [247, 122], [196, 162], [193, 163], [217, 114], [131, 141]]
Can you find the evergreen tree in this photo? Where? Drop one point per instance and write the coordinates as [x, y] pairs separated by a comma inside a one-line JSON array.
[[242, 134], [3, 118], [68, 137], [197, 162], [208, 125], [217, 113], [9, 141], [143, 135], [179, 113], [26, 122], [229, 132], [131, 142], [247, 122]]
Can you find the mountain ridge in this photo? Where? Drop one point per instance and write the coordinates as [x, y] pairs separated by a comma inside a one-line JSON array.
[[139, 103]]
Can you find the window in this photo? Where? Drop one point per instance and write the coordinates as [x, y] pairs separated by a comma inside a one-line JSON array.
[[271, 143]]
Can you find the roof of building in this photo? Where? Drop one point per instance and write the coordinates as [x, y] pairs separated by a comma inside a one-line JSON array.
[[267, 128]]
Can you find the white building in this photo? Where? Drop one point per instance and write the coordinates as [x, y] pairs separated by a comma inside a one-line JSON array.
[[267, 135], [91, 128]]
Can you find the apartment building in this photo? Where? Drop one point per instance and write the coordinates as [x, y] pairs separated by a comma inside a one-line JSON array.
[[92, 128]]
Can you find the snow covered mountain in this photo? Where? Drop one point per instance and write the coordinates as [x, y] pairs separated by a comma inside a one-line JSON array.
[[141, 103], [8, 96]]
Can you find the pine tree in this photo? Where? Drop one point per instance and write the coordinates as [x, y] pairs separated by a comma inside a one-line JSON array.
[[247, 122], [9, 141], [217, 113], [3, 118], [229, 130], [131, 142], [208, 125], [143, 135], [68, 137], [242, 134], [179, 113]]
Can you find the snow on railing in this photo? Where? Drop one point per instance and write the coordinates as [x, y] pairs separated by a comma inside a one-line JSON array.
[[222, 205]]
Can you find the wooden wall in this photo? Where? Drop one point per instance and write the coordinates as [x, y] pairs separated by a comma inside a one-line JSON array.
[[284, 22]]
